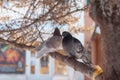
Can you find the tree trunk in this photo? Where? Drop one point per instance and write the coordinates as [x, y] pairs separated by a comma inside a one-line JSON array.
[[106, 13]]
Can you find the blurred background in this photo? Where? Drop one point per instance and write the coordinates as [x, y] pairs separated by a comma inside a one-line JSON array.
[[25, 24]]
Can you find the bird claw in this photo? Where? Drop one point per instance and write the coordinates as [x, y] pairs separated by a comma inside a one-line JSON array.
[[98, 71]]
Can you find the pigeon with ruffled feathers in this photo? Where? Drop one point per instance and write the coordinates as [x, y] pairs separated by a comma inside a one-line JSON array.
[[73, 48]]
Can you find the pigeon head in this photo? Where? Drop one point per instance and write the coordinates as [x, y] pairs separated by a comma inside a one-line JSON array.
[[56, 32], [65, 34]]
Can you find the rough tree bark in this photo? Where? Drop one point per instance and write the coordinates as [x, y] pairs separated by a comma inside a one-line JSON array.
[[89, 71], [106, 13]]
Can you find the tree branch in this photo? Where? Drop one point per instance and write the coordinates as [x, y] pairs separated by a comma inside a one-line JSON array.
[[89, 71], [18, 45]]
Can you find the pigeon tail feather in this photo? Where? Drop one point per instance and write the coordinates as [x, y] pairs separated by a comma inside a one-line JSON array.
[[38, 48], [43, 51]]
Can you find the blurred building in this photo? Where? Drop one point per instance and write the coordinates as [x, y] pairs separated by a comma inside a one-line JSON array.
[[48, 68], [23, 65], [92, 41]]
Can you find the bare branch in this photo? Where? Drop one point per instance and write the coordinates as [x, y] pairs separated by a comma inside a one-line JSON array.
[[78, 66], [18, 45]]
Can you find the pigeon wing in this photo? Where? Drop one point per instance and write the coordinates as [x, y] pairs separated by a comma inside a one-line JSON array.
[[50, 45], [80, 52], [55, 42], [77, 47]]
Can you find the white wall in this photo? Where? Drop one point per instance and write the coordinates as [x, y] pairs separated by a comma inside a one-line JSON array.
[[37, 75], [12, 77]]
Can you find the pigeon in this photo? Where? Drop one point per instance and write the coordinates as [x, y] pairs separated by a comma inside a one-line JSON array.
[[73, 48], [52, 44]]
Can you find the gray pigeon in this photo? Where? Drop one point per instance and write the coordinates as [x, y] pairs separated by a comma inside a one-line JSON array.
[[73, 48], [52, 44]]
